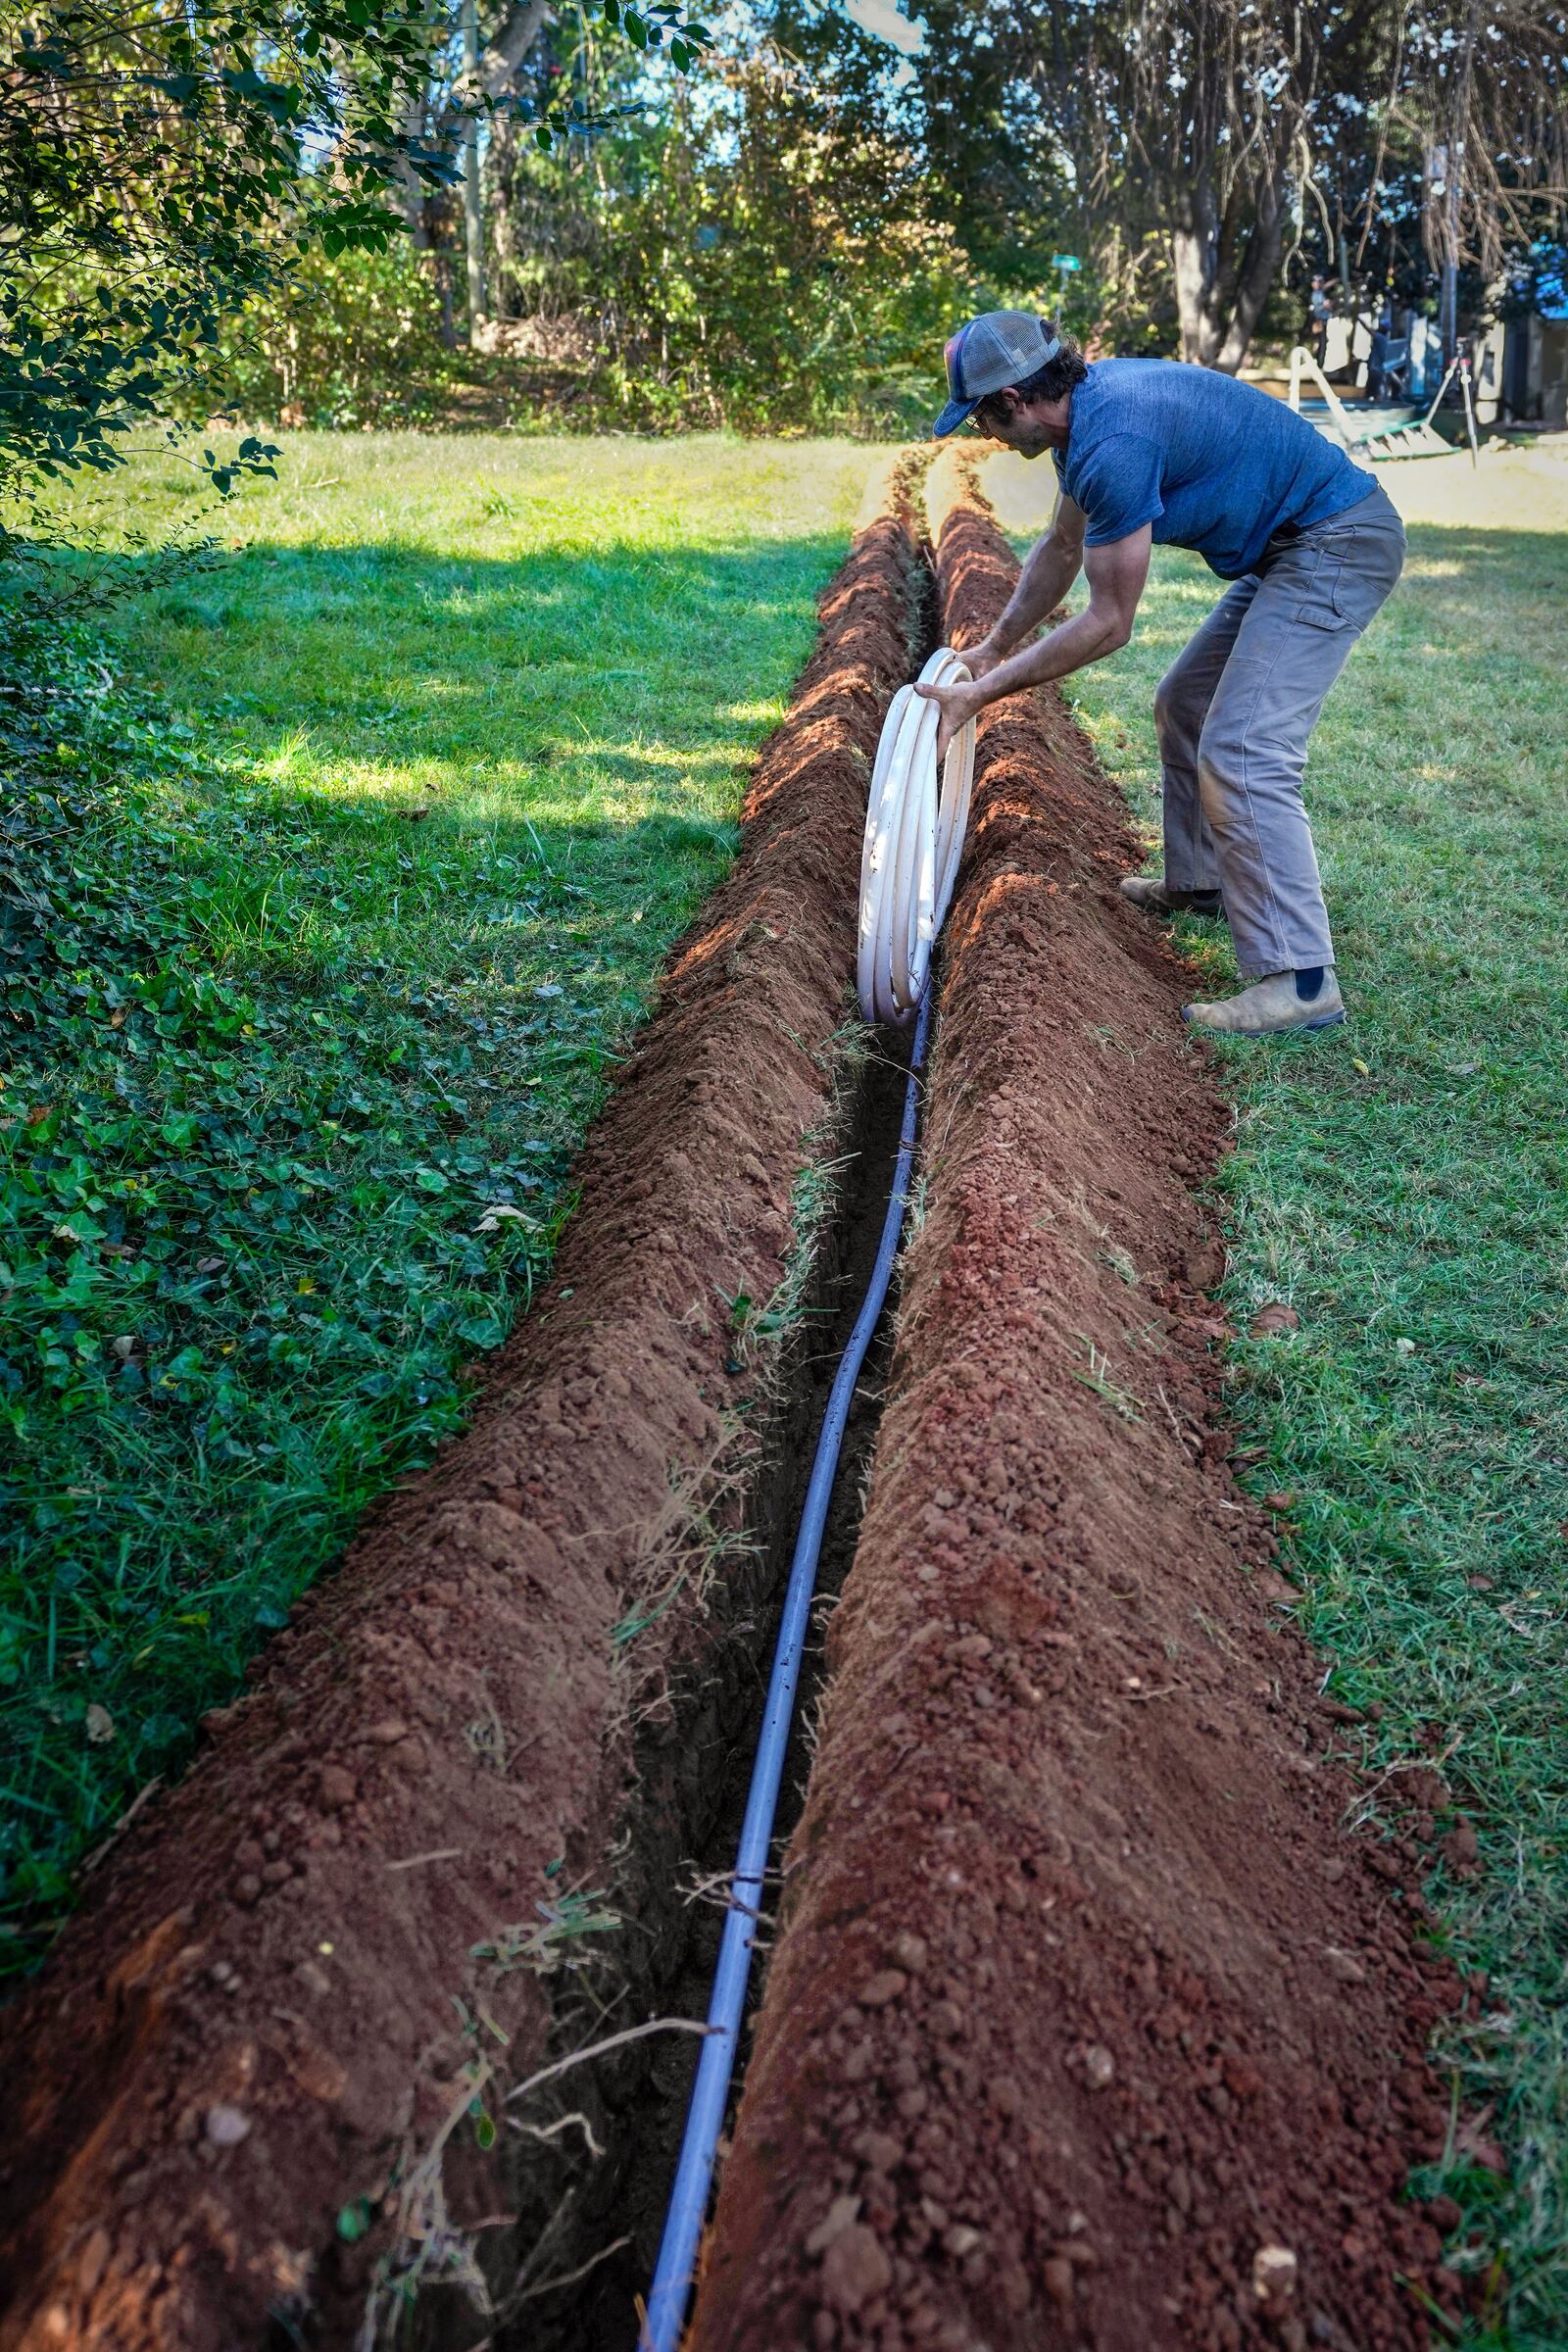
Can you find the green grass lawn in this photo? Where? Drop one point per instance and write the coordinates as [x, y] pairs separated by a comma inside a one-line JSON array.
[[333, 880], [1403, 1185]]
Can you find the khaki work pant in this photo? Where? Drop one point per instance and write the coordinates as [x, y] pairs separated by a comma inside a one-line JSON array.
[[1234, 713]]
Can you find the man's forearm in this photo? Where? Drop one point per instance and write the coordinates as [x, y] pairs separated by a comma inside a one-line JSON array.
[[1117, 573], [1087, 637], [1048, 573]]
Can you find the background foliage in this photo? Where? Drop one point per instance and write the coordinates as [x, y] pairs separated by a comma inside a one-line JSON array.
[[782, 239], [160, 167]]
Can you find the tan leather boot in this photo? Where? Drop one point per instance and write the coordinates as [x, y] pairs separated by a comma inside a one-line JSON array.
[[1270, 1007], [1150, 894]]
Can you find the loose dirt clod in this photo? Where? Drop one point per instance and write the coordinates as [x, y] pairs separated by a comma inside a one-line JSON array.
[[1124, 2063], [258, 2086]]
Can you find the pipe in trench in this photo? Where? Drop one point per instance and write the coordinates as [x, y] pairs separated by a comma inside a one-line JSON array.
[[910, 859], [688, 2202]]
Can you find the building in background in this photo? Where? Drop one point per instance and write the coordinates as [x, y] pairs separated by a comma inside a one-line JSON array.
[[1533, 367]]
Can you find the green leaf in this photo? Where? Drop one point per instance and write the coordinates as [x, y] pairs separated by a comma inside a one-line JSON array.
[[354, 2219]]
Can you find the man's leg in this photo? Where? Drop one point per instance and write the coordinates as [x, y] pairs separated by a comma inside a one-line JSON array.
[[1311, 607], [1182, 702]]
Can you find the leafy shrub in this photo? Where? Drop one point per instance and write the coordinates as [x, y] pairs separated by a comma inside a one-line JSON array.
[[357, 343]]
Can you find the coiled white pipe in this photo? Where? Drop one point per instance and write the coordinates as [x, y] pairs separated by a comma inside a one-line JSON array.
[[914, 843]]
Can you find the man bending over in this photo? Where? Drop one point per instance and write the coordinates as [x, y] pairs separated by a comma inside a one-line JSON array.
[[1147, 450]]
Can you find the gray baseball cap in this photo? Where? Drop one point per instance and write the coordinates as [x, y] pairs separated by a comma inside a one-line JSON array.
[[1000, 347]]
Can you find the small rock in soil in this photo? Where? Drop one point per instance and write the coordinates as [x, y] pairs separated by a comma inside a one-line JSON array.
[[886, 1985], [336, 1788], [1056, 2279], [840, 2214], [909, 1952], [1274, 2272], [1100, 2068], [227, 2127], [1345, 1968], [1012, 2284], [1269, 1321], [855, 2269]]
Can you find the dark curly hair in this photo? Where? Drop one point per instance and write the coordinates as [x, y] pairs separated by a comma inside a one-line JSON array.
[[1057, 376]]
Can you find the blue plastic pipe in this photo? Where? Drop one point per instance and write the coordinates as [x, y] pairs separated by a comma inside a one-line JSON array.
[[670, 2291]]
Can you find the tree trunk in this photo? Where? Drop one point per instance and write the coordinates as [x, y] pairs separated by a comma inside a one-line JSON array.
[[410, 188], [472, 200], [501, 226], [1192, 243], [1187, 259], [450, 337], [521, 26], [1255, 277], [1219, 303]]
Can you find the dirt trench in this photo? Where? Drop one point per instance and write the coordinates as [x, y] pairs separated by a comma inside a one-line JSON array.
[[1087, 2022], [258, 2096]]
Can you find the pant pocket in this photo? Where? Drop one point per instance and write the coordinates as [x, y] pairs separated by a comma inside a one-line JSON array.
[[1355, 572], [1325, 598]]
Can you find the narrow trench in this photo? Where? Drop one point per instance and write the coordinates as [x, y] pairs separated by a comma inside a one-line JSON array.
[[589, 2213], [637, 2102]]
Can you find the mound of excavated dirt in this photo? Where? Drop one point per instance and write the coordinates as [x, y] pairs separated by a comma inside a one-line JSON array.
[[253, 2025], [1088, 2023]]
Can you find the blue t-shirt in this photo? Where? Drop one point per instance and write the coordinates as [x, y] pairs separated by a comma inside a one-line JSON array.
[[1210, 463]]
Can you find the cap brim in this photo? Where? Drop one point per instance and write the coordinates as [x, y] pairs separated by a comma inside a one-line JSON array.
[[956, 413]]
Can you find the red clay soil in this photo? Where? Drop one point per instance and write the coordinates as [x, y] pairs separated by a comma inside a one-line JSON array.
[[252, 2014], [1084, 1997]]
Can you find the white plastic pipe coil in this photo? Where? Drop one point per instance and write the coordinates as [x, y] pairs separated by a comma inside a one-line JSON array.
[[914, 843]]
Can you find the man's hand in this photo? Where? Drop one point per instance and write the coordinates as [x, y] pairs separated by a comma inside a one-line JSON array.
[[958, 704], [982, 657]]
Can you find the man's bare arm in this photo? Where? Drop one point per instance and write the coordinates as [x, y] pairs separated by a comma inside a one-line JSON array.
[[1116, 575], [1050, 570]]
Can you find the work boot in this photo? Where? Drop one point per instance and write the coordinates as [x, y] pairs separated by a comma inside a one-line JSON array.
[[1272, 1008], [1150, 894]]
